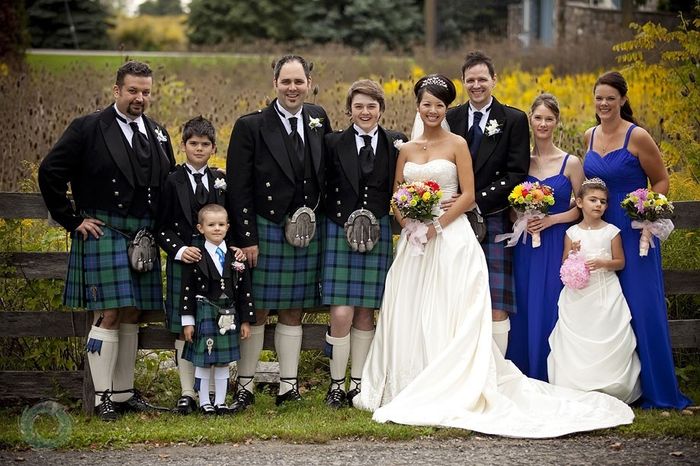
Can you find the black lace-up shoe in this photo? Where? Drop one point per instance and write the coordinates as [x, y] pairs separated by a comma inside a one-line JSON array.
[[105, 410], [243, 400], [186, 405]]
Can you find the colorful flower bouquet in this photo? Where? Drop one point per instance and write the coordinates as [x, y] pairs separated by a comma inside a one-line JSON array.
[[531, 201], [574, 272], [415, 201], [650, 212]]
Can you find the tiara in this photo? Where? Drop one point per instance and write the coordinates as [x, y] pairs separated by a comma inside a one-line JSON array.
[[595, 180], [436, 80]]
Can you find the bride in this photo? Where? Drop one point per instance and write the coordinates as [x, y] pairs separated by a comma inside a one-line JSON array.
[[433, 361]]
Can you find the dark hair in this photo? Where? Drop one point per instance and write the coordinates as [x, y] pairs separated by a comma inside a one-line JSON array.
[[211, 209], [438, 85], [371, 89], [615, 80], [277, 66], [591, 185], [549, 101], [478, 57], [134, 68], [198, 126]]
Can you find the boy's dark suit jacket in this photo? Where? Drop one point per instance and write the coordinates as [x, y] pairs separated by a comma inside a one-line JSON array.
[[92, 156], [203, 279], [176, 225], [259, 174], [502, 160], [343, 178]]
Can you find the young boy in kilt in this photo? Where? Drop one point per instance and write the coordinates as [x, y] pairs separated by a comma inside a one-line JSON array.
[[116, 161], [188, 188], [360, 169], [214, 286]]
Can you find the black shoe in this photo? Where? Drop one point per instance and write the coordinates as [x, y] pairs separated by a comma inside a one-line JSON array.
[[335, 398], [186, 405], [137, 404], [354, 392], [212, 397], [105, 410], [291, 395], [207, 410], [222, 410], [244, 398]]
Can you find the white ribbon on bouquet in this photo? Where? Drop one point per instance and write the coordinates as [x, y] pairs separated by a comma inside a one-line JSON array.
[[416, 235], [520, 229], [660, 228]]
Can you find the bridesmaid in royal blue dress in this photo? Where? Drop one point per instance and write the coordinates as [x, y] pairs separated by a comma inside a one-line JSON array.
[[537, 281], [627, 158]]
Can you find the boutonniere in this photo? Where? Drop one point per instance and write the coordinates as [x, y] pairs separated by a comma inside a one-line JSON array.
[[493, 128], [238, 266], [315, 123], [160, 135], [220, 183], [398, 143]]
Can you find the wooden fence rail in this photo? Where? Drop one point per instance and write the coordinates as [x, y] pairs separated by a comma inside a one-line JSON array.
[[63, 324]]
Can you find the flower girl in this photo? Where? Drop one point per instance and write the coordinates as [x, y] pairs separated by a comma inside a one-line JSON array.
[[592, 344]]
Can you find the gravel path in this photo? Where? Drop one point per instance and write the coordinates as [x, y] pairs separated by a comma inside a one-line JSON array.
[[574, 450]]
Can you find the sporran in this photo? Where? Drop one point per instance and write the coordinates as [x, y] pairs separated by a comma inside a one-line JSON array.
[[362, 230], [300, 228]]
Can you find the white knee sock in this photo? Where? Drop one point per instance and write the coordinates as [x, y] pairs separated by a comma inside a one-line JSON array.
[[221, 375], [102, 361], [288, 346], [124, 370], [212, 378], [250, 353], [202, 374], [360, 341], [339, 361], [185, 369], [500, 334]]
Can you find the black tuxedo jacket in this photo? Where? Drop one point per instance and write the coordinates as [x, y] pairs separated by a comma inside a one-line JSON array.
[[176, 225], [259, 173], [92, 156], [502, 160], [203, 279], [343, 178]]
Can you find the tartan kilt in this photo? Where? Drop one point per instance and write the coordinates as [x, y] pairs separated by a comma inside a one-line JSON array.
[[225, 347], [351, 278], [286, 277], [173, 289], [99, 276], [500, 263]]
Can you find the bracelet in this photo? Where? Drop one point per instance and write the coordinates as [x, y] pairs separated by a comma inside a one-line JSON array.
[[437, 226]]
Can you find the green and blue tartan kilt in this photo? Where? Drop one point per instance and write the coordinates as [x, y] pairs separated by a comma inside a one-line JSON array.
[[99, 276], [286, 277], [351, 278], [173, 288], [499, 260], [224, 348]]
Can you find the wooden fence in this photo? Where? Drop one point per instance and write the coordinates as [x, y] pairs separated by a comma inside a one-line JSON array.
[[62, 324]]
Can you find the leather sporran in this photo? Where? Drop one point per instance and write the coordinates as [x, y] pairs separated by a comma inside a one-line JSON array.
[[142, 251], [478, 224], [300, 228], [362, 230]]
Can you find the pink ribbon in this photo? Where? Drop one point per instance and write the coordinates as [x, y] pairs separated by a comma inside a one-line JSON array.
[[417, 236], [519, 228]]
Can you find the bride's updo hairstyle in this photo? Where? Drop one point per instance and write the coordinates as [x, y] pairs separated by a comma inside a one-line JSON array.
[[438, 85]]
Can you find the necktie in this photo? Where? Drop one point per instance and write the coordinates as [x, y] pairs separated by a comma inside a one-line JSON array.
[[201, 194], [296, 139], [139, 142], [222, 257], [366, 155], [476, 134]]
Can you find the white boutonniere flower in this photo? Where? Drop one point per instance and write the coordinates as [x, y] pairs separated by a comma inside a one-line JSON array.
[[220, 183], [398, 143], [160, 135], [238, 266], [492, 128], [315, 123]]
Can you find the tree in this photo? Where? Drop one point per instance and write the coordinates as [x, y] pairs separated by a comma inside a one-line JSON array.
[[458, 18], [13, 35], [67, 24], [160, 8]]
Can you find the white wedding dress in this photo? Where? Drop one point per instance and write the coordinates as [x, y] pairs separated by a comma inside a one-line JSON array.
[[433, 361]]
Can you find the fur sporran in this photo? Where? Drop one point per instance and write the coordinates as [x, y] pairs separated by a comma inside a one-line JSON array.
[[300, 228], [142, 251], [478, 224], [362, 230]]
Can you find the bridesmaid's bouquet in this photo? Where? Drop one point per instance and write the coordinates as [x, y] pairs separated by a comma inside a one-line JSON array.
[[416, 201], [530, 201], [574, 272], [650, 212]]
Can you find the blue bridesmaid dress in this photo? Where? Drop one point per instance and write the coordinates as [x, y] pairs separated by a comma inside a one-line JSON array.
[[641, 279], [537, 286]]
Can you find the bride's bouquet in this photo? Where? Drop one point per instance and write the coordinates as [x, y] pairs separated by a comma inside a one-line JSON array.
[[650, 212], [530, 201], [415, 201]]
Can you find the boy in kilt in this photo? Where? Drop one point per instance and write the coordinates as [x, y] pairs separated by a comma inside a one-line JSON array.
[[275, 179], [187, 189], [217, 285], [116, 161], [360, 170]]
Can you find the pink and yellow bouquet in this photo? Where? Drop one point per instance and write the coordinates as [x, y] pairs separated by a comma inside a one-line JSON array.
[[530, 200], [650, 212], [415, 201], [574, 272]]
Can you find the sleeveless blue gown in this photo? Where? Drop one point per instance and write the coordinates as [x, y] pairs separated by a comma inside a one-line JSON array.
[[641, 279], [537, 286]]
